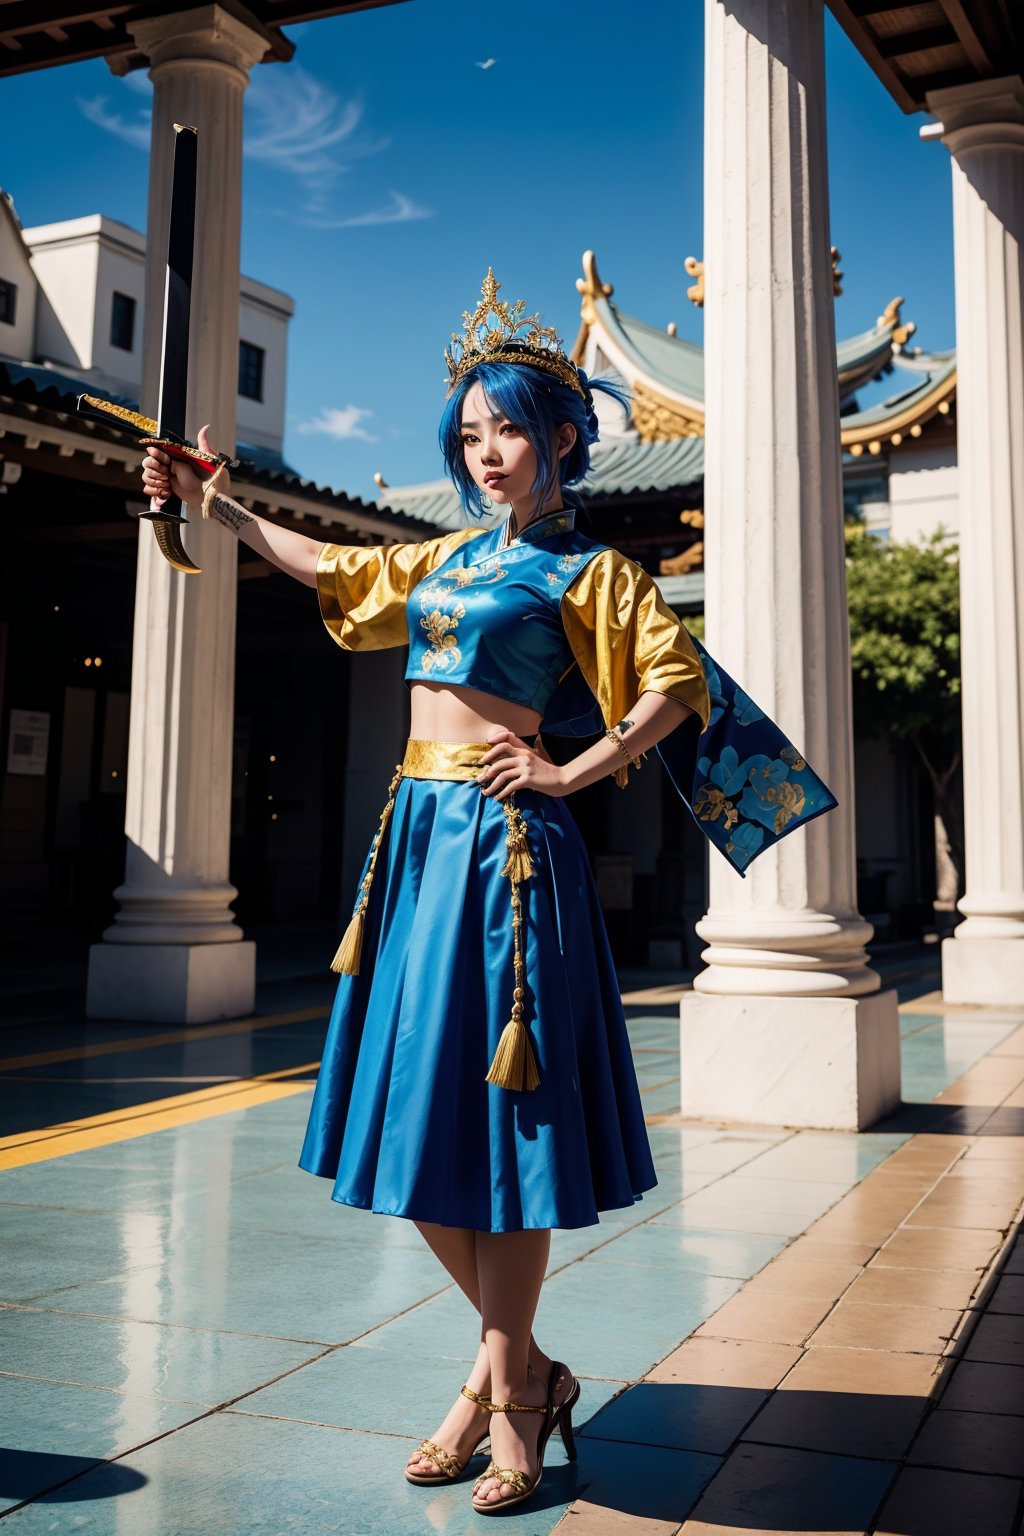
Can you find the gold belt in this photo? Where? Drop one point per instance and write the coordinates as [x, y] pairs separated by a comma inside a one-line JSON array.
[[444, 759], [514, 1065]]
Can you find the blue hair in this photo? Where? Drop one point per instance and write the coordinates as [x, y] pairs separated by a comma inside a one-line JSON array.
[[538, 404]]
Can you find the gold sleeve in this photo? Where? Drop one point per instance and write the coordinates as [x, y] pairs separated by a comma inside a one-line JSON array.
[[363, 590], [627, 641]]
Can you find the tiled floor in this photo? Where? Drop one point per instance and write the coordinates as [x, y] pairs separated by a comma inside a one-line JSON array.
[[194, 1339]]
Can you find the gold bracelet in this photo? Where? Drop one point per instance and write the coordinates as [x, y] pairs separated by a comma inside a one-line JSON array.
[[622, 774]]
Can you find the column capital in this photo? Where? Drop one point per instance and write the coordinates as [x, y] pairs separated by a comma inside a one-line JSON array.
[[220, 34], [986, 113]]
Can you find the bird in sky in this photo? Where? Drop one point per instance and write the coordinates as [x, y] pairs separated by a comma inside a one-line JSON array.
[[485, 63]]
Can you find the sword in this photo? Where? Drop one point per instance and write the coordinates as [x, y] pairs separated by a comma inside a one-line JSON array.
[[167, 432]]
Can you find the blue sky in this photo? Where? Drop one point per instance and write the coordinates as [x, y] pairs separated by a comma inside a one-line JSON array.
[[385, 170]]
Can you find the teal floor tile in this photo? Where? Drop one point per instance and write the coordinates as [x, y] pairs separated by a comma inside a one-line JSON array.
[[188, 1365], [240, 1475], [809, 1156], [42, 1252], [618, 1331], [381, 1391], [684, 1250], [51, 1432]]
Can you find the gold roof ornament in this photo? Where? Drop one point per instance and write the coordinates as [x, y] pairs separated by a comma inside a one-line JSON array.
[[902, 331], [499, 332], [590, 287], [695, 268]]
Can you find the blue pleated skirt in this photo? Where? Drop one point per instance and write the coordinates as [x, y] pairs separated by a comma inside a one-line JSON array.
[[402, 1120]]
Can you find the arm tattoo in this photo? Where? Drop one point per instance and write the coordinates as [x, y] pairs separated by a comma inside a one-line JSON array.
[[230, 513]]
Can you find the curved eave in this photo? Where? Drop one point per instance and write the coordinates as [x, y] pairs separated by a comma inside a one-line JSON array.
[[907, 414], [673, 368]]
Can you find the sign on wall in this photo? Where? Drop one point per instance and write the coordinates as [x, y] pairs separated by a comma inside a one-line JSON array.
[[27, 742]]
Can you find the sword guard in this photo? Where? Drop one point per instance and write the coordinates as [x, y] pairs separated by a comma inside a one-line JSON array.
[[167, 529]]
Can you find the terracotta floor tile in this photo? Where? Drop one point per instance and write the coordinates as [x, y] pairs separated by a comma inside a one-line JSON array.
[[854, 1227], [869, 1372], [980, 1388], [938, 1248], [727, 1363], [1003, 1170], [810, 1250], [970, 1442], [962, 1204], [928, 1502], [911, 1330], [993, 1148], [825, 1281], [1008, 1295], [914, 1287], [779, 1490], [847, 1424], [1016, 1099], [772, 1319], [583, 1519], [999, 1340]]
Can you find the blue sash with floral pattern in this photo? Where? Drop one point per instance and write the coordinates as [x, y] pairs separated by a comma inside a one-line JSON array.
[[744, 781]]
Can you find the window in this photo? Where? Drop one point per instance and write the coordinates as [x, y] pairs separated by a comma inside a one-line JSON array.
[[122, 322], [250, 370], [8, 301]]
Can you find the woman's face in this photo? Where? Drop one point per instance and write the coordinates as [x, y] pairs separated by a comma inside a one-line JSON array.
[[497, 451]]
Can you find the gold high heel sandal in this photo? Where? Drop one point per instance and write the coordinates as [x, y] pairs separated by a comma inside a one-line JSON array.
[[449, 1465], [560, 1415]]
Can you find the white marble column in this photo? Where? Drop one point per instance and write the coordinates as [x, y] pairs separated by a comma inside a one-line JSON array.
[[787, 1024], [174, 951], [982, 125]]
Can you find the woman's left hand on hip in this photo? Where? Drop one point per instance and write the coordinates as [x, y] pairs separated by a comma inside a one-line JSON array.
[[512, 765]]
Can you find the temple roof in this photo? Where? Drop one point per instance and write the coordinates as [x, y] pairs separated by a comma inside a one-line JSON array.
[[665, 374], [619, 467]]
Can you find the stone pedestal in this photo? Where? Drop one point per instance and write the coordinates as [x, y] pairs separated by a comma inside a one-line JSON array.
[[832, 1062], [982, 125], [786, 959], [157, 959]]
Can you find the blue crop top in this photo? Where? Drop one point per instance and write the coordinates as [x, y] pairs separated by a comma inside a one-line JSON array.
[[491, 619]]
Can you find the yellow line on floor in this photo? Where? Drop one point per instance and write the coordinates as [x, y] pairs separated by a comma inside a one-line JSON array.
[[168, 1037], [142, 1119]]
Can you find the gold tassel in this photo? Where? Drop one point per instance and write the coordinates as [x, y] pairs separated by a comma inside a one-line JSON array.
[[622, 776], [515, 1065], [518, 865], [210, 490], [346, 960], [349, 951]]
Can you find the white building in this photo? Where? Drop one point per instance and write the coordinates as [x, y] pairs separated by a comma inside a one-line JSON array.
[[71, 299]]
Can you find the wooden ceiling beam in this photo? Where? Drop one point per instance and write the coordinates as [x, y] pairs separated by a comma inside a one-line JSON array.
[[927, 38]]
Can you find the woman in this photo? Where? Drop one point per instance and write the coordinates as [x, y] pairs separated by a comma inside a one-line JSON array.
[[477, 1077]]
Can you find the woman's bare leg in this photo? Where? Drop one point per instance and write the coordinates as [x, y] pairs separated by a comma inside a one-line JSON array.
[[456, 1248], [510, 1272]]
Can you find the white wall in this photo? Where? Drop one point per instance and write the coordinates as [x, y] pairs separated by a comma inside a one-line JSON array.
[[263, 322], [923, 493], [17, 340], [80, 264]]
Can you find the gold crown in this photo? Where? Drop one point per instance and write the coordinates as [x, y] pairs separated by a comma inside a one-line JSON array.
[[497, 332]]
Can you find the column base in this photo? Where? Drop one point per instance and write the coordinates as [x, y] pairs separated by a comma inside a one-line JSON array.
[[829, 1063], [983, 971], [171, 983]]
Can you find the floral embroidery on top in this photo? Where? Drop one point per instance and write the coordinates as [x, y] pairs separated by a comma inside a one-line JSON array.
[[568, 562], [443, 653]]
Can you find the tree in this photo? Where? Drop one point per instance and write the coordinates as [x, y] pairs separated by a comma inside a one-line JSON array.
[[904, 604]]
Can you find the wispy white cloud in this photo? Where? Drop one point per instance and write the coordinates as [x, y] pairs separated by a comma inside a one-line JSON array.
[[400, 210], [486, 63], [133, 130], [344, 422], [294, 124]]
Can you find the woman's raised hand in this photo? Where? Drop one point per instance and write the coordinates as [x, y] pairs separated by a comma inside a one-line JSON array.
[[163, 476], [512, 765]]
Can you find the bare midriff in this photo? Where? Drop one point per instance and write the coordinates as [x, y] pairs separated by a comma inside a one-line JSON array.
[[444, 713]]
